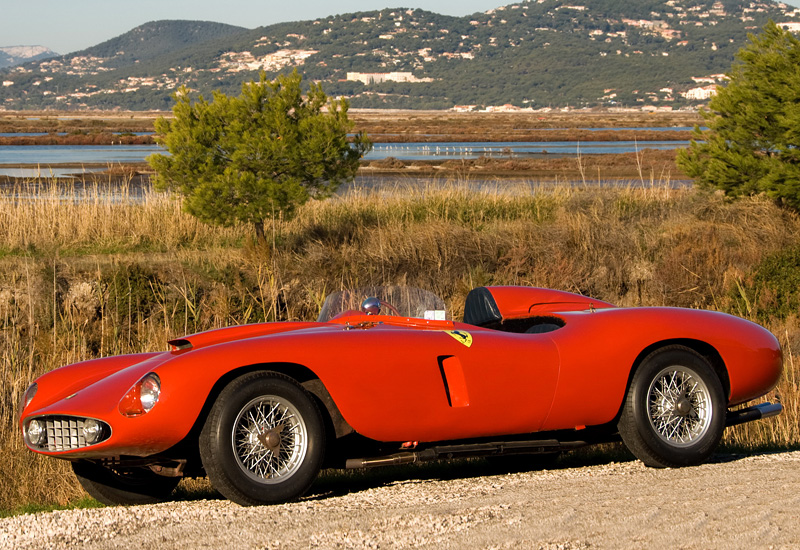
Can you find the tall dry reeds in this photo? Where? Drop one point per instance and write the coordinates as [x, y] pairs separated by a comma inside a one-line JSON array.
[[101, 217], [121, 269]]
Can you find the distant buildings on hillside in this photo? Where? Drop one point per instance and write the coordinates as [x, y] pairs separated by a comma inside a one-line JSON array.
[[376, 78], [700, 94]]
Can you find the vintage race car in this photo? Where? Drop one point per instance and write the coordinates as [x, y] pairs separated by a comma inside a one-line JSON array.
[[384, 377]]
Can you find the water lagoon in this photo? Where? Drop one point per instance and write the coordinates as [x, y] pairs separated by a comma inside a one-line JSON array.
[[46, 155], [515, 149], [46, 160]]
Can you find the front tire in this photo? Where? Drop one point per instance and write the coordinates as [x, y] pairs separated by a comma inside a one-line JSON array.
[[674, 412], [263, 441], [130, 487]]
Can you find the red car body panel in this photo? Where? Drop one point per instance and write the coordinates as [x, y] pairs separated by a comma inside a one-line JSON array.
[[592, 391], [516, 302], [409, 379]]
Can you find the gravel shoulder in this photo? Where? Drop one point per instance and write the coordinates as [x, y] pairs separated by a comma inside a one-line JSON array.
[[734, 502]]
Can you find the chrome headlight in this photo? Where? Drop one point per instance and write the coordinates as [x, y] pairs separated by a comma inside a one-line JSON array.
[[142, 397], [92, 431], [150, 391], [36, 432]]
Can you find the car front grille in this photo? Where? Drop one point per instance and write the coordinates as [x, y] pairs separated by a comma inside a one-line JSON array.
[[65, 433]]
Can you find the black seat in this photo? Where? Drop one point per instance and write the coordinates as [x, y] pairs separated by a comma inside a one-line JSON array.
[[480, 309]]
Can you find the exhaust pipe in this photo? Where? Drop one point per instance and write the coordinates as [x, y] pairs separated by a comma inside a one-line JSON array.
[[756, 412]]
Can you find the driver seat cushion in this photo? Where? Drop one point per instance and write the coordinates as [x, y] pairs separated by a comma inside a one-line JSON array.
[[480, 308]]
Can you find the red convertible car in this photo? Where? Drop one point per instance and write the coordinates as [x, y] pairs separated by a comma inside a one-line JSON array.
[[384, 377]]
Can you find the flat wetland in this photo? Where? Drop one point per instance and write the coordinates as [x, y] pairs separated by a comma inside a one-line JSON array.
[[124, 269], [136, 128], [392, 126]]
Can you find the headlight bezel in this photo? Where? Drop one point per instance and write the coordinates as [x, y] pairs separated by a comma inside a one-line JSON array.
[[149, 387], [28, 396]]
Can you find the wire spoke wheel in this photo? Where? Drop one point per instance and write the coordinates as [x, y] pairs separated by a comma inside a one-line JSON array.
[[680, 406], [674, 410], [264, 440], [270, 439]]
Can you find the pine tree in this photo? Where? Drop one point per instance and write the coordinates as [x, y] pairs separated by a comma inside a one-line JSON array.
[[258, 156], [752, 144]]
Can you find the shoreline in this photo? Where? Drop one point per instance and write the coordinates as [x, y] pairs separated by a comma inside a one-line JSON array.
[[105, 128], [647, 164], [394, 126], [500, 136]]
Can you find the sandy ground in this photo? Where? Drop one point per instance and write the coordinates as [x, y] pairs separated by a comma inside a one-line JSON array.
[[734, 502]]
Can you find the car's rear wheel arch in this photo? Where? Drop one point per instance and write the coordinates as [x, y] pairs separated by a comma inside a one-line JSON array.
[[707, 351], [673, 413]]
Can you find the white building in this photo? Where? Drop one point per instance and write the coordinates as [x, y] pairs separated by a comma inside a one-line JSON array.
[[701, 93], [375, 78]]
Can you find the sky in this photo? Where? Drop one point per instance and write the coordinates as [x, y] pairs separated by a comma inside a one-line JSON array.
[[67, 26]]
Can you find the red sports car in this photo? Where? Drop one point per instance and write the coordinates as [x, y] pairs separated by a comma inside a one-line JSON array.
[[384, 377]]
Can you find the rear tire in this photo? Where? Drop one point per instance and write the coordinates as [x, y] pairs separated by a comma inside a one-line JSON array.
[[674, 412], [263, 441], [131, 487]]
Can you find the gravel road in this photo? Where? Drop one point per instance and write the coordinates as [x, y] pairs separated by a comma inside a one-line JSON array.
[[734, 502]]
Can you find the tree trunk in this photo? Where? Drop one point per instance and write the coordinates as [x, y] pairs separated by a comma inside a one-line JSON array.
[[261, 238]]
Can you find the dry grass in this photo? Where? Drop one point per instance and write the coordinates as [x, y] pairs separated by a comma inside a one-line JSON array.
[[99, 276], [97, 218]]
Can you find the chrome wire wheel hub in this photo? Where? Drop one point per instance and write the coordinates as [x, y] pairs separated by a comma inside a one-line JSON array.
[[679, 406], [269, 439]]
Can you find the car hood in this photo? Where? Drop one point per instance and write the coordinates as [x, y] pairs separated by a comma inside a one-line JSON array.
[[230, 334]]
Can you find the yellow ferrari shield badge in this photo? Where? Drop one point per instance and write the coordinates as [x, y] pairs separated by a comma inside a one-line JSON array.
[[462, 336]]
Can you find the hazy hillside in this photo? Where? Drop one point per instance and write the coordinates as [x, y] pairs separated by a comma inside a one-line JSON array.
[[17, 55], [157, 41], [529, 54]]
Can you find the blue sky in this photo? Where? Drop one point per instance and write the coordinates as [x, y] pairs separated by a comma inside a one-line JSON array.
[[71, 25]]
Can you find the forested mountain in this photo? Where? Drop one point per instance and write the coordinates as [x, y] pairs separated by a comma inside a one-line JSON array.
[[151, 44], [540, 53]]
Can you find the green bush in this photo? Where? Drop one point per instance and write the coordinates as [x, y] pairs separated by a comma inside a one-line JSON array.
[[773, 288]]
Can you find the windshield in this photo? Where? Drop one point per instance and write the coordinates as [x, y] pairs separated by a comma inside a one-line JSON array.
[[408, 301]]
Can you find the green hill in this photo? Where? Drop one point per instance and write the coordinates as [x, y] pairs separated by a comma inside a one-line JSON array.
[[156, 42], [544, 53]]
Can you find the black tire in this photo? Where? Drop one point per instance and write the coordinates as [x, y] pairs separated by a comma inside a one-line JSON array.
[[674, 412], [263, 441], [131, 487]]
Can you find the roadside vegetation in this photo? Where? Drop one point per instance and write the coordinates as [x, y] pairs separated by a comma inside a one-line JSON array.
[[121, 270], [257, 156], [751, 143]]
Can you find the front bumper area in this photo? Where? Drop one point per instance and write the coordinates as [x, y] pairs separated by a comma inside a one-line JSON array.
[[63, 433]]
